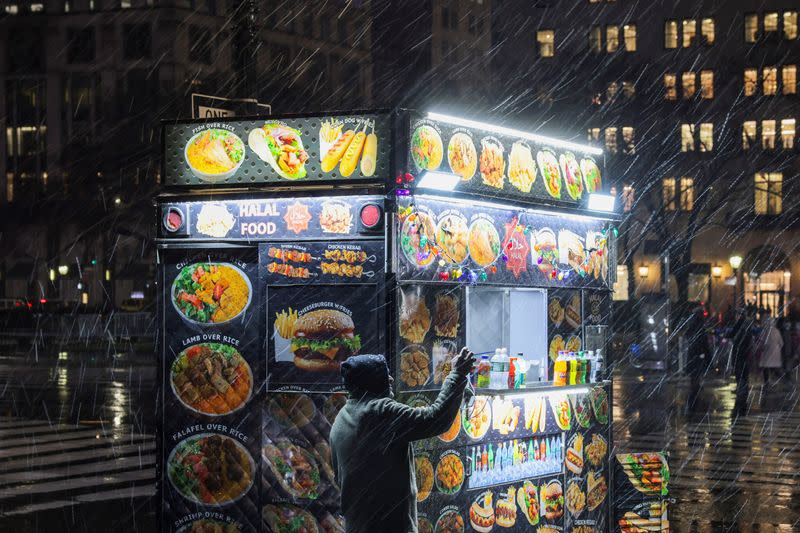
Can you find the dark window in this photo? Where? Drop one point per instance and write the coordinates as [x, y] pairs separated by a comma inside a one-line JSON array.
[[342, 27], [471, 23], [137, 41], [445, 17], [200, 44], [81, 45], [78, 96], [141, 88], [453, 20], [25, 50]]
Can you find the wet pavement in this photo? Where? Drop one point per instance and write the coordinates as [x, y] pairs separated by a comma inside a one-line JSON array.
[[77, 447]]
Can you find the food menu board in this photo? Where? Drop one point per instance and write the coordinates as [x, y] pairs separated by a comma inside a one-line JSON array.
[[535, 462], [502, 166], [311, 330], [322, 262], [440, 240], [431, 330], [564, 323], [327, 217], [299, 487], [641, 488], [212, 370], [289, 150]]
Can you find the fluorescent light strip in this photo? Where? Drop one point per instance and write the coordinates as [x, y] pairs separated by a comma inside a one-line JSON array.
[[467, 123], [441, 181], [506, 207], [601, 202]]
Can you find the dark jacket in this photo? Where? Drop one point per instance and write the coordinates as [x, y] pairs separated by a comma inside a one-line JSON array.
[[699, 351], [373, 460], [742, 341]]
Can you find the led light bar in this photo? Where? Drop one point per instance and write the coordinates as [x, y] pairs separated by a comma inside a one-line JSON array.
[[440, 181], [601, 202], [522, 393], [492, 205], [467, 123]]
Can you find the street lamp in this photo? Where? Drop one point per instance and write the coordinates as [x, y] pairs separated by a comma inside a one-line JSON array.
[[716, 271], [736, 262], [644, 271]]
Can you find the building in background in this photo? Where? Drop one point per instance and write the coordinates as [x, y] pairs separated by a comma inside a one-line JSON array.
[[696, 105], [85, 85]]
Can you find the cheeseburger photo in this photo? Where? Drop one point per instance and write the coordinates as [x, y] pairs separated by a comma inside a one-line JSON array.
[[323, 338]]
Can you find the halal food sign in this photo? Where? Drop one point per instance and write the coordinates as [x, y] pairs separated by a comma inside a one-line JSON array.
[[500, 164]]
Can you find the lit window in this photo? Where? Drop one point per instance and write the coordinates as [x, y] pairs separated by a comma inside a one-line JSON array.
[[668, 193], [707, 29], [689, 32], [12, 9], [687, 194], [66, 6], [687, 137], [768, 134], [593, 134], [629, 146], [630, 37], [770, 80], [706, 137], [750, 28], [37, 8], [787, 133], [612, 90], [768, 193], [611, 140], [612, 39], [790, 24], [125, 4], [628, 89], [546, 40], [707, 84], [770, 22], [596, 40], [789, 79], [688, 81], [750, 81], [670, 87], [671, 34], [748, 134], [627, 198]]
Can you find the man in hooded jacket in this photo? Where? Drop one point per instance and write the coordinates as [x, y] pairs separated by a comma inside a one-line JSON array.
[[371, 443]]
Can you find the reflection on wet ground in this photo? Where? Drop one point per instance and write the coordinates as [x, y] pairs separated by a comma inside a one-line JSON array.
[[77, 447], [727, 475]]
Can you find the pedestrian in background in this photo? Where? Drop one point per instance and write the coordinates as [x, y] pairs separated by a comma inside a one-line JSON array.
[[771, 343], [699, 353], [742, 343]]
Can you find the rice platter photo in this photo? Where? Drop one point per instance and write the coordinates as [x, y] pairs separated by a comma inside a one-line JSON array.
[[426, 148], [484, 242], [214, 155], [205, 525], [210, 469], [211, 378], [451, 236], [417, 235], [211, 293], [462, 156]]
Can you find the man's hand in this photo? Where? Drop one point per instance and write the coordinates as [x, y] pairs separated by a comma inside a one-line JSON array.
[[463, 362]]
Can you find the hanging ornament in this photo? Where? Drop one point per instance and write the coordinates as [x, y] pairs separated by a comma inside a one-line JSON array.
[[505, 258], [615, 232], [494, 269], [444, 276], [483, 276], [441, 262]]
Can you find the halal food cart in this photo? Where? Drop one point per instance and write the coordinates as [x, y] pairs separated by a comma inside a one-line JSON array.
[[287, 244]]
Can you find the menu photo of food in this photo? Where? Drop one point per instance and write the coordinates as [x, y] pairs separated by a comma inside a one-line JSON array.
[[214, 155], [476, 416], [492, 163], [573, 177], [552, 500], [290, 410], [462, 156], [452, 236], [415, 317], [443, 352], [598, 255], [596, 489], [347, 147], [450, 521], [596, 451], [557, 344], [535, 414], [415, 366], [573, 458], [528, 501], [561, 411], [645, 516], [582, 407], [575, 497], [295, 468], [417, 238], [424, 475], [544, 249], [572, 311], [521, 167], [571, 250], [555, 311], [214, 220], [424, 525], [599, 399], [336, 217], [449, 472], [207, 525], [481, 512], [591, 174], [647, 472], [211, 379], [281, 147], [426, 147], [288, 517], [313, 331], [484, 241], [210, 293], [210, 469], [551, 173]]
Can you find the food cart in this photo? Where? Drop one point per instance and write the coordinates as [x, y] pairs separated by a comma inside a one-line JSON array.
[[288, 244]]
